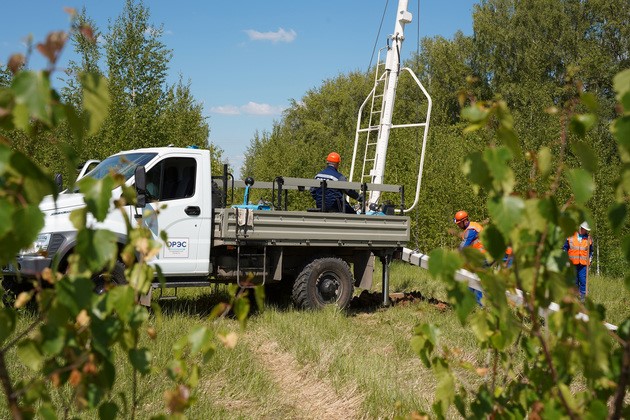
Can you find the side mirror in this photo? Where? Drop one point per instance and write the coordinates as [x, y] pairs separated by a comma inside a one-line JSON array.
[[141, 186], [59, 182]]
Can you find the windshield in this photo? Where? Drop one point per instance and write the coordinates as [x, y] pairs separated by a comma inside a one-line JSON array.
[[125, 165]]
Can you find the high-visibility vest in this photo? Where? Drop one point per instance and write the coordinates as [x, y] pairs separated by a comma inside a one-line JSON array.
[[579, 249], [476, 243]]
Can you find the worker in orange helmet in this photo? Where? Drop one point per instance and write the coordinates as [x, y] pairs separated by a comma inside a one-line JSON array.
[[333, 200], [470, 238], [471, 231]]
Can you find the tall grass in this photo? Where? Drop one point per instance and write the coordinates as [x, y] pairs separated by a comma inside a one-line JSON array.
[[310, 364]]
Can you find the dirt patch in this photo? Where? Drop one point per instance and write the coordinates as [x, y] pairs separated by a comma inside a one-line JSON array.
[[310, 396], [372, 300]]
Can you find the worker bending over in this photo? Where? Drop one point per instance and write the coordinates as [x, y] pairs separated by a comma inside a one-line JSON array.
[[470, 238]]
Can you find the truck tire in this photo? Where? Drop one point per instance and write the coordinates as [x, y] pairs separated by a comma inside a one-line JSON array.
[[325, 281], [116, 277]]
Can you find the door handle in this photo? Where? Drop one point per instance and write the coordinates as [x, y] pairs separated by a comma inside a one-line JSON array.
[[192, 210]]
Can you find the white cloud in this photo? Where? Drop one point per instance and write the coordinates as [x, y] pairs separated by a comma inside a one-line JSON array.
[[279, 36], [251, 108], [225, 110]]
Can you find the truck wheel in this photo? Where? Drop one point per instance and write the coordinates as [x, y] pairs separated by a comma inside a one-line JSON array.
[[116, 277], [325, 281]]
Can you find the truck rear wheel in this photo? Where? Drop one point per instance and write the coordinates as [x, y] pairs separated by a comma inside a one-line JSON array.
[[325, 281]]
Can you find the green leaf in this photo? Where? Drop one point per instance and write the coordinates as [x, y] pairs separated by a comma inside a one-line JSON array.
[[95, 99], [36, 183], [617, 214], [506, 212], [30, 220], [108, 411], [74, 293], [476, 170], [424, 341], [586, 155], [141, 360], [581, 123], [568, 396], [544, 161], [475, 113], [30, 355], [621, 84], [121, 299], [497, 160], [32, 89], [582, 185], [53, 339], [21, 118], [259, 296], [241, 309], [443, 264], [494, 242], [7, 323], [97, 195], [445, 389], [94, 394], [47, 412], [479, 325], [6, 212], [534, 216], [199, 339], [621, 130], [508, 137], [590, 101], [98, 249], [140, 278], [625, 247]]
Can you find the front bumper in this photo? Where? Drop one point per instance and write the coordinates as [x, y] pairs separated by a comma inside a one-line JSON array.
[[27, 266]]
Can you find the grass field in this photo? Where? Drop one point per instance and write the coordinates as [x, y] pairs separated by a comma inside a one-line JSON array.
[[304, 364]]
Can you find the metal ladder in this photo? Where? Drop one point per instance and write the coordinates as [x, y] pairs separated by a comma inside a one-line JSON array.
[[372, 128]]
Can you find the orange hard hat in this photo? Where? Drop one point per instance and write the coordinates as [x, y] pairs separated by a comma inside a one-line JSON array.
[[460, 215], [333, 157]]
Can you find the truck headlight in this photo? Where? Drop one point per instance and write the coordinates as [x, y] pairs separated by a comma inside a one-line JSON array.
[[39, 247]]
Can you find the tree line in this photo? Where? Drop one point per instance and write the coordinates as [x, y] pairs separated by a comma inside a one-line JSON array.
[[144, 111], [534, 54]]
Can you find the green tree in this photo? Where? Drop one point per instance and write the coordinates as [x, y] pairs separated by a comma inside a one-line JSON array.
[[137, 63], [182, 120]]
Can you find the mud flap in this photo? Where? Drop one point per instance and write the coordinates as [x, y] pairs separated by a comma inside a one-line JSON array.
[[363, 269]]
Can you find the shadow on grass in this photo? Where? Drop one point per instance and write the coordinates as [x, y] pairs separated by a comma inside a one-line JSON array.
[[201, 301]]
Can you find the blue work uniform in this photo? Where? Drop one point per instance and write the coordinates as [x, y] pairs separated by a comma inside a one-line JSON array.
[[334, 198]]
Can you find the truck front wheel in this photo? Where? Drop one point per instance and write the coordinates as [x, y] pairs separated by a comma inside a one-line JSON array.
[[325, 281], [116, 277]]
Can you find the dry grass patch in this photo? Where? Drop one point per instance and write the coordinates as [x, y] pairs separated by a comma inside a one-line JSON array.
[[310, 396]]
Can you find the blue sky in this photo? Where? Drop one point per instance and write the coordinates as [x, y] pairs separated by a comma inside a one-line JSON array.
[[247, 59]]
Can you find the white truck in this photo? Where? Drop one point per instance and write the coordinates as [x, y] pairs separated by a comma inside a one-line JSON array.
[[324, 255]]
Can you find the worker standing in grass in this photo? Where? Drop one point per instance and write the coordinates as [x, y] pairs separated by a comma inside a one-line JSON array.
[[334, 199], [470, 238], [579, 246]]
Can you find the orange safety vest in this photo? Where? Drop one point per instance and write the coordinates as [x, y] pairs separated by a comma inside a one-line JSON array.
[[476, 243], [579, 249]]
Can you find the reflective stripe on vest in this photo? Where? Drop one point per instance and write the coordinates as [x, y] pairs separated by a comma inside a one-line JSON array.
[[476, 243], [579, 249]]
